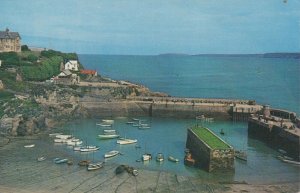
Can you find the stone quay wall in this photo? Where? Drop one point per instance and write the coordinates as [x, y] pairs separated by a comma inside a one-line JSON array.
[[208, 158], [276, 136]]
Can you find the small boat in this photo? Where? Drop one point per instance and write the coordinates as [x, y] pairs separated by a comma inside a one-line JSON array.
[[146, 157], [111, 154], [60, 161], [188, 160], [39, 159], [95, 166], [282, 151], [240, 155], [126, 141], [77, 148], [130, 122], [54, 134], [135, 119], [58, 140], [63, 136], [288, 160], [144, 126], [172, 159], [108, 121], [29, 146], [84, 162], [74, 143], [106, 131], [103, 125], [222, 132], [89, 149], [120, 169], [160, 157], [108, 136]]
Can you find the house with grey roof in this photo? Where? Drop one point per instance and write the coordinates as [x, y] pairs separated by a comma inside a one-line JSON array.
[[10, 41]]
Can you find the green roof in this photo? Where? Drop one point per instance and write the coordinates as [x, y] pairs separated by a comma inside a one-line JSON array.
[[209, 138]]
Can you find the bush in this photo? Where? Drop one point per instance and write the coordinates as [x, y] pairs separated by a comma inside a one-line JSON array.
[[25, 48]]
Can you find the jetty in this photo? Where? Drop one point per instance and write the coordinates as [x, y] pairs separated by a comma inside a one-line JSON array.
[[278, 128], [208, 150]]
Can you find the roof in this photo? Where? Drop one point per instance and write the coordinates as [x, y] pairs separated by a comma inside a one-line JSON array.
[[9, 35], [88, 72], [72, 62], [67, 72]]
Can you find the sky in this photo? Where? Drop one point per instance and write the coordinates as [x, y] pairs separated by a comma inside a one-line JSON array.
[[149, 27]]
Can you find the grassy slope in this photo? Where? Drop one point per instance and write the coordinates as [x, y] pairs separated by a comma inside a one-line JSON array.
[[209, 138]]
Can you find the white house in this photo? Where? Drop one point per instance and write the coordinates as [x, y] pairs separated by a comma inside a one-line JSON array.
[[72, 65], [0, 63]]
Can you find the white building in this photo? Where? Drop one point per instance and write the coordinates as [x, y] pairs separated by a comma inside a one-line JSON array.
[[72, 65], [0, 63]]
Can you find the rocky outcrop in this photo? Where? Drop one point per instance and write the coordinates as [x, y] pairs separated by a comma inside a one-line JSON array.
[[9, 125], [1, 85]]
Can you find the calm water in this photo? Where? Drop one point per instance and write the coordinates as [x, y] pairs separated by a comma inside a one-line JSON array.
[[273, 81]]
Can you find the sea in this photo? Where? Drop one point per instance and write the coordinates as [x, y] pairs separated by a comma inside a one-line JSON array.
[[273, 81]]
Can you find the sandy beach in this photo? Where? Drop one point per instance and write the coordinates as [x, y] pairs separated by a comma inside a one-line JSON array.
[[20, 172]]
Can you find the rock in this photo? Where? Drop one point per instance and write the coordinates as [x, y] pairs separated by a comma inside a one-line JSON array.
[[19, 78], [1, 85], [10, 125]]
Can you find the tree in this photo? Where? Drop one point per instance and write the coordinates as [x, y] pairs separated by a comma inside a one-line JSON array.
[[25, 48]]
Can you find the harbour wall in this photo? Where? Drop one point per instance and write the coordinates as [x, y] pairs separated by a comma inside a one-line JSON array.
[[275, 135], [165, 107], [208, 158]]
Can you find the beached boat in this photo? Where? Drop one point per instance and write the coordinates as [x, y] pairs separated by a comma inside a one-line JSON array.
[[60, 160], [89, 149], [39, 159], [111, 154], [172, 159], [146, 157], [29, 146], [95, 166], [126, 141], [84, 162], [159, 157], [108, 136]]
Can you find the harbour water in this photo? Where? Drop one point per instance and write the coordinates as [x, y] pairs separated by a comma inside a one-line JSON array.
[[271, 81], [168, 136]]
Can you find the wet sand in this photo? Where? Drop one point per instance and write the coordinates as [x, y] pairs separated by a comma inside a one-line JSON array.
[[20, 172]]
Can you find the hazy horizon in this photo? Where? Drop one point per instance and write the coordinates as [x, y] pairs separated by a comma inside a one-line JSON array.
[[153, 27]]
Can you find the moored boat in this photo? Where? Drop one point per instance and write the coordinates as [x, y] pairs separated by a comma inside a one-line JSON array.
[[108, 136], [63, 136], [126, 141], [84, 162], [104, 124], [109, 131], [89, 149], [54, 134], [240, 155], [74, 143], [95, 166], [108, 121], [146, 157], [172, 159], [111, 154], [160, 157]]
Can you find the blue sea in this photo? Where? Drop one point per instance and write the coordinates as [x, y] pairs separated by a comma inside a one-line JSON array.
[[273, 81]]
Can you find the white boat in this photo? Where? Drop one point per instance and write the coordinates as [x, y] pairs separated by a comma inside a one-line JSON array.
[[54, 134], [160, 157], [63, 136], [126, 141], [108, 136], [108, 121], [39, 159], [144, 127], [103, 125], [60, 140], [109, 131], [130, 122], [146, 157], [89, 149], [95, 166], [29, 146], [77, 148], [172, 159], [135, 119], [111, 154], [74, 143]]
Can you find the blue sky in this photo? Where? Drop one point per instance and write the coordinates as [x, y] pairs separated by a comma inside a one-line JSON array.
[[156, 26]]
